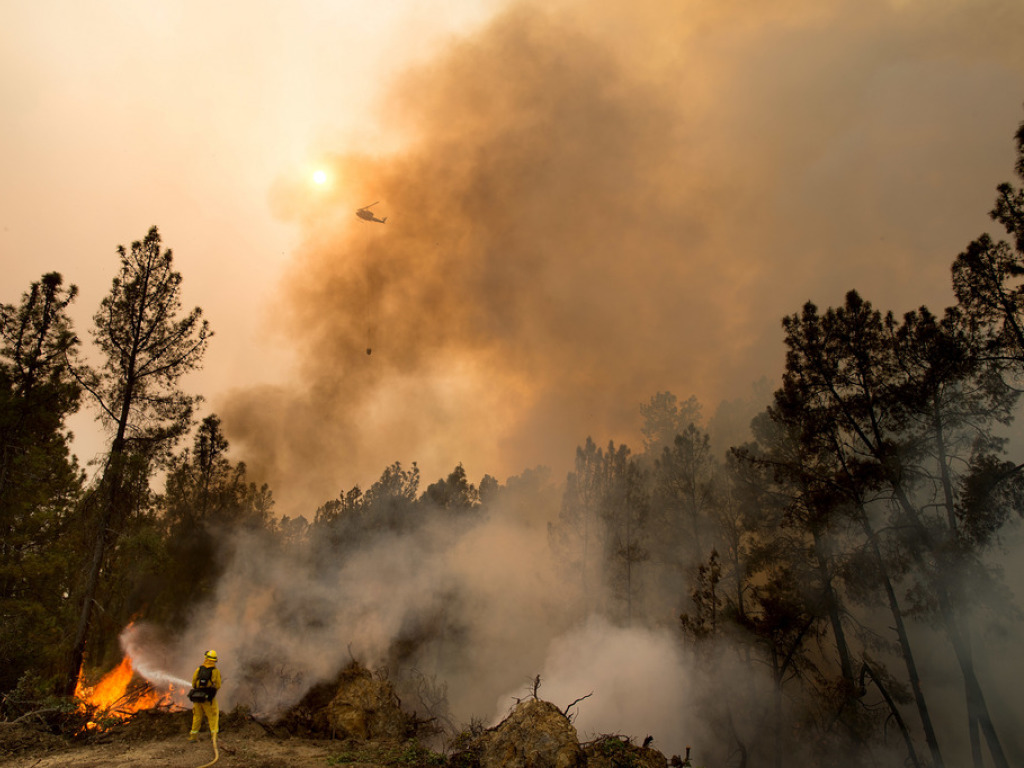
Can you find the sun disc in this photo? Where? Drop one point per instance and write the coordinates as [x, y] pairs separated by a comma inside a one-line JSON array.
[[320, 176]]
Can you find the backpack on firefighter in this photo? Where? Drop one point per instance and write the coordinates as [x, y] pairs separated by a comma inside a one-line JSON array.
[[204, 690]]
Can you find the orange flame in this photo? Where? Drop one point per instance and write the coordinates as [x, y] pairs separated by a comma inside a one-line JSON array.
[[111, 699]]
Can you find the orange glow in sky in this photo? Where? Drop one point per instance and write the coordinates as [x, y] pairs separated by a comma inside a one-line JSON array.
[[587, 203]]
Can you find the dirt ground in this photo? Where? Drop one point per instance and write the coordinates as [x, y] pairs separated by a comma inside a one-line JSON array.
[[356, 719], [161, 739]]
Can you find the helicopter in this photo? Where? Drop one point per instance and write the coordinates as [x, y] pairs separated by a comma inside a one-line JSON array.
[[366, 213]]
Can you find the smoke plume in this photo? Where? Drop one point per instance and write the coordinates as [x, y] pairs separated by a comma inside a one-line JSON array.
[[589, 204], [464, 598]]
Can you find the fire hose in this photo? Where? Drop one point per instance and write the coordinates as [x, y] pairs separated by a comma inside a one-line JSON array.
[[216, 754]]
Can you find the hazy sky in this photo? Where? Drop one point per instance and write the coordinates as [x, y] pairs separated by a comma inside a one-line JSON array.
[[587, 202]]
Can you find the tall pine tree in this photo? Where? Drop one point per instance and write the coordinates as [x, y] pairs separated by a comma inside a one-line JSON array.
[[147, 347]]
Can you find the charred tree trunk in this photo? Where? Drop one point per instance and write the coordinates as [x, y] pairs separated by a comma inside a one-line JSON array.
[[973, 722], [905, 649], [777, 709], [865, 670], [977, 708], [112, 504], [835, 619]]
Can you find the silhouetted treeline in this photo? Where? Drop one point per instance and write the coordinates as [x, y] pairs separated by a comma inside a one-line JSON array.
[[853, 526]]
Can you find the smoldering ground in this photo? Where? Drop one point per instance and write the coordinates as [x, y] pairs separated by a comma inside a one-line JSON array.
[[590, 204]]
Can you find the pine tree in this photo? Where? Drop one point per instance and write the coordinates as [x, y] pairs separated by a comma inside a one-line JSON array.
[[147, 348], [39, 478]]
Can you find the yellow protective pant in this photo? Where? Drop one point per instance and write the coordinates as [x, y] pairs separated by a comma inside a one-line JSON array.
[[212, 712]]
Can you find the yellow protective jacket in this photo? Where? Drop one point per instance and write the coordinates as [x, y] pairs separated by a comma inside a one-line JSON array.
[[214, 680]]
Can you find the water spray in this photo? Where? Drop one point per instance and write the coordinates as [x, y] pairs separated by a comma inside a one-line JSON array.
[[142, 663], [157, 677]]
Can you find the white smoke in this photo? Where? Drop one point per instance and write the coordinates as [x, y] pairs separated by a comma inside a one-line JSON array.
[[629, 681], [151, 660], [476, 599]]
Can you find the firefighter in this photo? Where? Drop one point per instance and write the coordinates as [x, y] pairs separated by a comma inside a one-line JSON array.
[[205, 682]]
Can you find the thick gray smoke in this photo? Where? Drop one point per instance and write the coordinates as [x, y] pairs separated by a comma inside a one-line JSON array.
[[480, 604], [483, 604], [283, 618]]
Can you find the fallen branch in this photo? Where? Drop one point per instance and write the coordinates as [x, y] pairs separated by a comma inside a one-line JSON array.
[[33, 713]]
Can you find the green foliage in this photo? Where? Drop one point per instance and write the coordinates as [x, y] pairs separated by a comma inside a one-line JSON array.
[[390, 505], [34, 694], [206, 497], [664, 418], [896, 410], [684, 496], [618, 750], [454, 492], [702, 624], [991, 492], [146, 349], [601, 532], [40, 482], [986, 279]]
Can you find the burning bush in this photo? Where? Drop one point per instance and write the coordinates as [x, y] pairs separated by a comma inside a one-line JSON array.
[[118, 695]]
